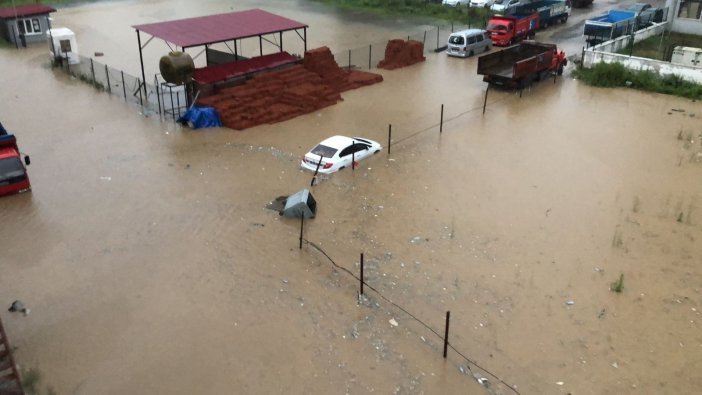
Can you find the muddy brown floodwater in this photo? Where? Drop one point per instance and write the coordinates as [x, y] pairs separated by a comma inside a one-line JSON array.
[[151, 266]]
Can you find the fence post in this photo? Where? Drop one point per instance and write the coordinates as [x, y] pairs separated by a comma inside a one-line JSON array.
[[361, 274], [302, 227], [437, 36], [158, 95], [124, 87], [141, 98], [92, 71], [107, 74], [389, 137], [441, 123], [485, 102], [448, 316], [370, 55]]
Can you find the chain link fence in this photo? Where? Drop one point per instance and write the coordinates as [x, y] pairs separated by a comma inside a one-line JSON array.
[[167, 99]]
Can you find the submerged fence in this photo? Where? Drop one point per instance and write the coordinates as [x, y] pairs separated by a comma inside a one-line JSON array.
[[154, 97], [434, 39]]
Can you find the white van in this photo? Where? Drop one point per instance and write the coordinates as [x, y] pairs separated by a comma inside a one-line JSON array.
[[468, 42]]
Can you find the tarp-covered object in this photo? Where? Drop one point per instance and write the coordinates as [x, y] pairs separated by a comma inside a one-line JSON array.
[[201, 117]]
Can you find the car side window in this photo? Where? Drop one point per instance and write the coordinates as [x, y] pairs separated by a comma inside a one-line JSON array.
[[346, 151], [479, 37], [360, 147], [471, 40]]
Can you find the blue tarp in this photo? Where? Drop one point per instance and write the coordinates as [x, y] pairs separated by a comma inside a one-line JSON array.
[[201, 117]]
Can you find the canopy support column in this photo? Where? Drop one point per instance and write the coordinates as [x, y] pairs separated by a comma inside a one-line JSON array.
[[141, 60], [305, 39]]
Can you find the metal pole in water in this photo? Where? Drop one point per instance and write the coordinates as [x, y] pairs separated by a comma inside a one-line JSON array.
[[124, 87], [389, 137], [361, 273], [448, 317], [107, 74], [370, 55], [485, 102], [302, 227], [441, 123], [314, 177]]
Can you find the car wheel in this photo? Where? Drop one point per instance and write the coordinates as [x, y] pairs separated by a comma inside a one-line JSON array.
[[470, 53], [560, 69]]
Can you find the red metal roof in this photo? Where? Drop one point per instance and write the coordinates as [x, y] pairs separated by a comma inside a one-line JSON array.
[[203, 30], [25, 10]]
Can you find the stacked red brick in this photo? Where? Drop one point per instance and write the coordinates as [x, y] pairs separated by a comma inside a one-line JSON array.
[[401, 53], [283, 94]]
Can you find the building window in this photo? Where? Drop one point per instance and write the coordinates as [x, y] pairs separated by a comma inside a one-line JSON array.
[[29, 26], [690, 9]]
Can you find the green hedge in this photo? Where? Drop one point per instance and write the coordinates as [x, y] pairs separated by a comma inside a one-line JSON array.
[[616, 75]]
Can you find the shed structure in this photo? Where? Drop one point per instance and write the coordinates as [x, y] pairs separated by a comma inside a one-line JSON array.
[[25, 24], [232, 27]]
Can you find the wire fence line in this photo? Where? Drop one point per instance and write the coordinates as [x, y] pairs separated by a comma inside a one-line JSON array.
[[367, 57], [153, 97], [424, 324]]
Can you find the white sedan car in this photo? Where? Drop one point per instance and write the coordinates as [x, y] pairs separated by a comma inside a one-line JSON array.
[[338, 152]]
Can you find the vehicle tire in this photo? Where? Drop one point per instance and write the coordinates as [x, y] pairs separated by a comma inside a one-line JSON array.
[[532, 34], [487, 48], [565, 19], [560, 69], [470, 53]]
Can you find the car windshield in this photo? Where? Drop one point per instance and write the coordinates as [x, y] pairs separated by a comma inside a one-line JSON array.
[[10, 168], [492, 26], [457, 40], [323, 150]]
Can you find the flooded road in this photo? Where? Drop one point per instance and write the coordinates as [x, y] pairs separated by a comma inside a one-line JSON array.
[[151, 265]]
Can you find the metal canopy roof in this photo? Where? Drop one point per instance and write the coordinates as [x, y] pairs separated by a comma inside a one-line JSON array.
[[25, 10], [192, 32]]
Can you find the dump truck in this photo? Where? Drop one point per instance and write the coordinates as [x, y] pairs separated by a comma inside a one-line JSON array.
[[550, 11], [510, 29], [519, 65], [13, 174], [609, 26]]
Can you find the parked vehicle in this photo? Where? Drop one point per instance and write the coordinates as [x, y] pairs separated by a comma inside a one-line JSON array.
[[519, 65], [581, 3], [455, 3], [609, 26], [503, 6], [482, 3], [645, 14], [468, 42], [550, 11], [338, 152], [13, 174], [509, 29]]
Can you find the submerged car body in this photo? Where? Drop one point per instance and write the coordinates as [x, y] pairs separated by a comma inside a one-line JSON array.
[[338, 152]]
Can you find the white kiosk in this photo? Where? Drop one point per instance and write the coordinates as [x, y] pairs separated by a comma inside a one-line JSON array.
[[62, 45]]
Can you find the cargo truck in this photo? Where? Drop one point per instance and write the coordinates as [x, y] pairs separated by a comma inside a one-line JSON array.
[[519, 65], [510, 29], [609, 26], [13, 174], [550, 11]]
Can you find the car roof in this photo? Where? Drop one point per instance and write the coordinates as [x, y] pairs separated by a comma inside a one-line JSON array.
[[467, 31], [337, 141]]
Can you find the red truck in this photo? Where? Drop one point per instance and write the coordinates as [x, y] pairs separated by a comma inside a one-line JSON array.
[[510, 29], [519, 65], [13, 174]]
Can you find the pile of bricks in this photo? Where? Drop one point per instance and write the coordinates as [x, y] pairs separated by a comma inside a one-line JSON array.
[[279, 95], [401, 53]]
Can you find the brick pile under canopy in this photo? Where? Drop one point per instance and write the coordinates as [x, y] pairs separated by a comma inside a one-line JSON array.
[[401, 53], [286, 93]]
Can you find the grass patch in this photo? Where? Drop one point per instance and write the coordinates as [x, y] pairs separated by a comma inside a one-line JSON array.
[[661, 48], [613, 75], [618, 286], [420, 9]]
